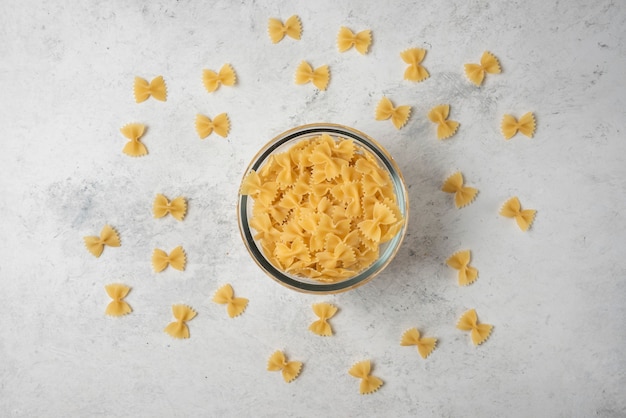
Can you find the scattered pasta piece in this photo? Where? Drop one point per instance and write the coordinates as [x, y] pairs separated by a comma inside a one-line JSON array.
[[319, 77], [399, 115], [346, 39], [134, 131], [179, 328], [415, 71], [156, 88], [369, 383], [108, 236], [278, 362], [488, 64], [234, 306], [510, 126], [469, 322], [291, 28], [177, 207], [425, 345], [212, 80], [118, 307], [512, 209], [205, 126], [463, 195], [460, 261], [176, 259], [324, 311], [439, 115], [322, 208]]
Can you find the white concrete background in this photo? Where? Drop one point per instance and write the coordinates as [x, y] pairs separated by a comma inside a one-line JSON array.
[[556, 295]]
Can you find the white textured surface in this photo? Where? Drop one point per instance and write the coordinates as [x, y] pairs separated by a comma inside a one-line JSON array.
[[556, 295]]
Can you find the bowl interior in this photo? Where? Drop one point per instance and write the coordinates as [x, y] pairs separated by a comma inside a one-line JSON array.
[[387, 250]]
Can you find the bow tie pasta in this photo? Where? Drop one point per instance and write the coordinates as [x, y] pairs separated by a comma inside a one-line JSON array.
[[322, 208]]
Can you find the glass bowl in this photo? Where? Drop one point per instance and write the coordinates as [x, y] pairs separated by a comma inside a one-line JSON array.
[[387, 250]]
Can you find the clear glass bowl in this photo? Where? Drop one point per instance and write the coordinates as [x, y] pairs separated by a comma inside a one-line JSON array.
[[387, 251]]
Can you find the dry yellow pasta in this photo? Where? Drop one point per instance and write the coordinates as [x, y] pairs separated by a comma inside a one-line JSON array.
[[134, 147], [415, 71], [510, 126], [425, 345], [488, 64], [463, 195], [369, 383], [108, 236], [213, 80], [399, 115], [277, 30], [439, 115], [176, 259], [117, 292], [289, 369], [143, 90], [460, 261], [225, 296], [324, 311], [205, 126], [347, 39], [179, 328], [512, 208], [469, 322], [322, 208], [162, 206], [319, 76]]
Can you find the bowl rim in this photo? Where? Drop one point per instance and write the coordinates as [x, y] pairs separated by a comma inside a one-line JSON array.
[[256, 253]]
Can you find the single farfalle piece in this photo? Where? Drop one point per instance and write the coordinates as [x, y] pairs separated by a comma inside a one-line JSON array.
[[162, 206], [463, 195], [108, 236], [512, 208], [117, 307], [205, 126], [143, 90], [511, 126], [213, 80], [399, 115], [324, 311], [134, 131], [460, 261], [179, 328], [415, 71], [263, 191], [278, 362], [381, 215], [225, 296], [277, 30], [488, 64], [347, 39], [369, 383], [425, 345], [319, 77], [479, 332], [176, 258], [439, 115]]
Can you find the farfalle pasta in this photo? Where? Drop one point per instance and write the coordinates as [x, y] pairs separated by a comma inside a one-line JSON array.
[[176, 259], [205, 126], [134, 147], [277, 30], [439, 115], [322, 208], [425, 345], [463, 195], [324, 312], [319, 76], [156, 88], [108, 237], [225, 295], [289, 369], [212, 80], [179, 328], [398, 115], [512, 208], [511, 126], [162, 207], [347, 39], [415, 71], [479, 333], [369, 384], [460, 261], [488, 64], [117, 307]]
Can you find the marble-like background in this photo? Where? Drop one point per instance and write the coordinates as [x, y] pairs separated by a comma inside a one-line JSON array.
[[556, 295]]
